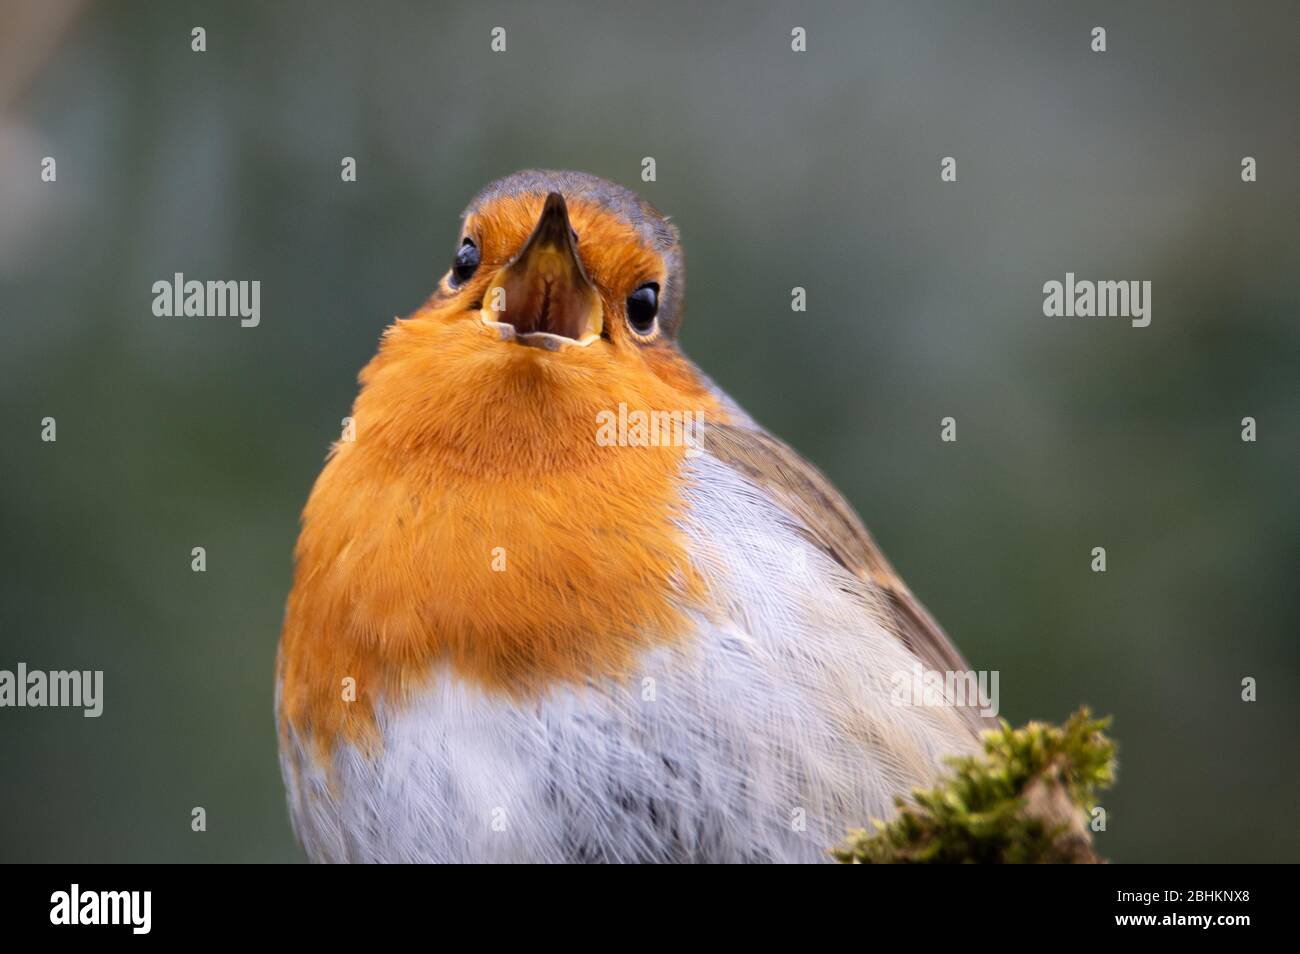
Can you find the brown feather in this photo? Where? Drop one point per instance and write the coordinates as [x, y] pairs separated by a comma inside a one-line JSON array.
[[827, 521]]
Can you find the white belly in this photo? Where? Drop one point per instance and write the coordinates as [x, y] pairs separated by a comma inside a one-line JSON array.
[[762, 737]]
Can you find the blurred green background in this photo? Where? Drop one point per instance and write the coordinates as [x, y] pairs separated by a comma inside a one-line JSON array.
[[818, 169]]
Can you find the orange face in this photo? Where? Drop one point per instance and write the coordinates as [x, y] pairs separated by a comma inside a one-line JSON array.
[[477, 524]]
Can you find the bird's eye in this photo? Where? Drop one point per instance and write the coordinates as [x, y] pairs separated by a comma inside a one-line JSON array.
[[467, 259], [642, 306]]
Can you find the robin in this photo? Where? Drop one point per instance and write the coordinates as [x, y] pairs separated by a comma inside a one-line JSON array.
[[561, 599]]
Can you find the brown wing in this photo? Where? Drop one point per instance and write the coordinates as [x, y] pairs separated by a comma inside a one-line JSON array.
[[829, 523]]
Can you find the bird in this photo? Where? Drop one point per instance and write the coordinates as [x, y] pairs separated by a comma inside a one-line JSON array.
[[558, 598]]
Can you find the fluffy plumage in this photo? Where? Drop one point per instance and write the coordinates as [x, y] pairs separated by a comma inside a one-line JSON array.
[[563, 650]]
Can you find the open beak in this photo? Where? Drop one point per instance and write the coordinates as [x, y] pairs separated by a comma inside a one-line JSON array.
[[543, 297]]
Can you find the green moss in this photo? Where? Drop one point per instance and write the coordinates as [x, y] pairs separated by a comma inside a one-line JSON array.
[[1026, 799]]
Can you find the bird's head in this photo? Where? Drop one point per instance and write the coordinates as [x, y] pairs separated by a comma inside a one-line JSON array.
[[561, 261], [563, 299]]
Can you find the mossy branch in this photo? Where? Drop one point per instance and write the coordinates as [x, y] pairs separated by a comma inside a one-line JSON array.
[[1025, 799]]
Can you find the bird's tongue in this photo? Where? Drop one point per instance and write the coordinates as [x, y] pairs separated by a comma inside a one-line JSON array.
[[544, 288], [542, 297]]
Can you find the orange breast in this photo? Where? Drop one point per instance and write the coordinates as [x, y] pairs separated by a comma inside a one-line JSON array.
[[477, 523]]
